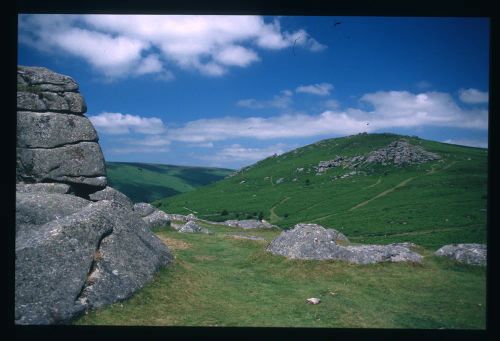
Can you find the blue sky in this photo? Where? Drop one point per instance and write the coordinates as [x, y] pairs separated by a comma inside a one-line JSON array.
[[228, 91]]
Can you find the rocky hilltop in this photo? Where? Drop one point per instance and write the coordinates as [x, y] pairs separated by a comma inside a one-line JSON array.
[[79, 244]]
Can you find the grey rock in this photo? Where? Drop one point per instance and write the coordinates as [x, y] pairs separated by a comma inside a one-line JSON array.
[[473, 254], [109, 193], [45, 79], [43, 187], [81, 163], [68, 102], [144, 209], [128, 259], [37, 208], [192, 227], [401, 153], [312, 241], [98, 255], [156, 219], [49, 130], [249, 224]]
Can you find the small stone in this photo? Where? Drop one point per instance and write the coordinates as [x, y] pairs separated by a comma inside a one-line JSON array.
[[313, 300]]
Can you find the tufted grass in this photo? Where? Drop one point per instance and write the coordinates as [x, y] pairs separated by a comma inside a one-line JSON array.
[[217, 280]]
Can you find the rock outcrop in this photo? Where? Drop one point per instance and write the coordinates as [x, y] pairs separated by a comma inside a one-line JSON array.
[[399, 153], [473, 254], [55, 142], [79, 244], [152, 216], [312, 241]]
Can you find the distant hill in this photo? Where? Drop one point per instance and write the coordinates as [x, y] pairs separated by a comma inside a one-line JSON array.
[[145, 182], [433, 203]]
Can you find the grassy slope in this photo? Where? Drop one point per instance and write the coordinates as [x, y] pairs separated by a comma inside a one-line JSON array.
[[431, 204], [147, 182], [218, 280]]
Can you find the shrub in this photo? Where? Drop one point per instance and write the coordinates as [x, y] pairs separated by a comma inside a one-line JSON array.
[[224, 212]]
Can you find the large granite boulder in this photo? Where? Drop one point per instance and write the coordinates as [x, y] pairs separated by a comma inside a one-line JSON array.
[[312, 241], [473, 254], [144, 209], [79, 244], [55, 142]]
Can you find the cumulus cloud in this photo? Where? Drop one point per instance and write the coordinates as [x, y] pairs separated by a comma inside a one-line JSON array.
[[122, 45], [322, 89], [237, 152], [469, 142], [118, 123], [283, 100], [331, 104], [473, 96]]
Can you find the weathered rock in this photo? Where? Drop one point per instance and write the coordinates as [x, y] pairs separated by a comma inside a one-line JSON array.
[[81, 163], [49, 130], [248, 224], [156, 219], [144, 209], [45, 79], [69, 102], [401, 153], [109, 193], [49, 187], [95, 256], [192, 227], [38, 208], [473, 254], [311, 241], [313, 300]]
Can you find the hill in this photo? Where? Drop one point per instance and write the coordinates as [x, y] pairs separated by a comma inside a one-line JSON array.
[[145, 182], [431, 203]]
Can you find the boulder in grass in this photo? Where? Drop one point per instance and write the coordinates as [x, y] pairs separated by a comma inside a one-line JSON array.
[[473, 254], [144, 209], [192, 227]]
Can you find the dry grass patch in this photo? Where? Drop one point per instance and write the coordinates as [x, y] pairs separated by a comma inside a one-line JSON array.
[[174, 244]]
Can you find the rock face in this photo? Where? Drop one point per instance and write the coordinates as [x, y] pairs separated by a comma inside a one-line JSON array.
[[248, 224], [55, 142], [399, 153], [192, 227], [473, 254], [152, 216], [311, 241], [79, 245]]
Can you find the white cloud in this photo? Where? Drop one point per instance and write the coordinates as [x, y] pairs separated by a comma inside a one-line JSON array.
[[331, 104], [118, 123], [469, 142], [283, 100], [322, 89], [237, 152], [405, 109], [473, 96], [121, 45]]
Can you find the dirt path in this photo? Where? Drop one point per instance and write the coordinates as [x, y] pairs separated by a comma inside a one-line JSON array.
[[375, 184], [274, 217], [384, 193]]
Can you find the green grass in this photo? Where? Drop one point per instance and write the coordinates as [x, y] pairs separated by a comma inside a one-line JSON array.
[[431, 204], [145, 182], [217, 280]]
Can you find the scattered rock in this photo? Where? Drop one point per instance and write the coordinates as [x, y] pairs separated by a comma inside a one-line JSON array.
[[192, 227], [156, 219], [313, 300], [473, 254], [312, 241], [280, 180], [249, 224]]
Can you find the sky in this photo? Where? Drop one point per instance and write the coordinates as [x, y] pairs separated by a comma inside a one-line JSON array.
[[227, 91]]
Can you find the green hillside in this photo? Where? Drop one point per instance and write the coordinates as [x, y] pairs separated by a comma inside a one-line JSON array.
[[431, 204], [145, 182]]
